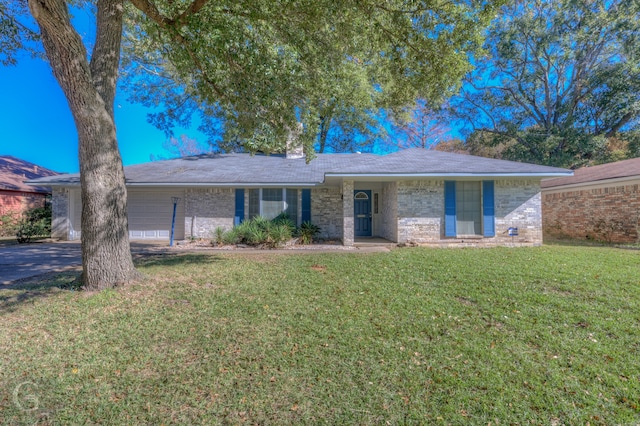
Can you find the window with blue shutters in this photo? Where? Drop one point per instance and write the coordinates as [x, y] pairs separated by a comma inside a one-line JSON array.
[[469, 208]]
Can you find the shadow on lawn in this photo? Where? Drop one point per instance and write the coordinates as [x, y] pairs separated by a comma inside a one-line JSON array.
[[172, 260], [46, 285], [39, 287]]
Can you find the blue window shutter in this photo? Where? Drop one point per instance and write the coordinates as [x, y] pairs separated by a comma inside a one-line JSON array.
[[306, 205], [449, 208], [239, 216], [488, 209]]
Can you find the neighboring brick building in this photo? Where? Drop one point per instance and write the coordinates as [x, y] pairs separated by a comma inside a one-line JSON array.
[[16, 196], [599, 203]]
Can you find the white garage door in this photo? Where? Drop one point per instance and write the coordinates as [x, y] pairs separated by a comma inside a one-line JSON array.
[[150, 213]]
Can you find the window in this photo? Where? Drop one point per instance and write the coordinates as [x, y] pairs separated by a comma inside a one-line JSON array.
[[375, 203], [469, 208], [270, 202]]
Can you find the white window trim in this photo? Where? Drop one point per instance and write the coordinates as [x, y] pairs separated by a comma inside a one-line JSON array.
[[284, 205]]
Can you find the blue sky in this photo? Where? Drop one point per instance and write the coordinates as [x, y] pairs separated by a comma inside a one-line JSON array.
[[37, 124]]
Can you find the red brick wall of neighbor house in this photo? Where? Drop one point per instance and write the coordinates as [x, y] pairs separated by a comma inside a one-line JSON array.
[[609, 214], [17, 202]]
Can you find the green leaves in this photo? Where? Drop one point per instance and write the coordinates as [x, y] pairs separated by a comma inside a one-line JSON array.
[[254, 63], [15, 36], [561, 76]]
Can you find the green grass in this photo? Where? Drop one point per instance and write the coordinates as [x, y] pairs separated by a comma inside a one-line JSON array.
[[547, 335]]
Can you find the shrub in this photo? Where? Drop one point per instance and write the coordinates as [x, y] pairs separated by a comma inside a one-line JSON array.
[[9, 224], [307, 231], [285, 219], [35, 223], [231, 237], [218, 236], [279, 234], [261, 231]]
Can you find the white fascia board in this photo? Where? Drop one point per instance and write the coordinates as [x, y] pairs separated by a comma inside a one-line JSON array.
[[191, 184], [225, 185], [54, 184], [448, 175]]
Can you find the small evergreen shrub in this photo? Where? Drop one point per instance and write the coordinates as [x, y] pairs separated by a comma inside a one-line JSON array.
[[35, 223], [270, 233], [285, 220], [231, 237], [218, 236], [307, 231], [9, 224]]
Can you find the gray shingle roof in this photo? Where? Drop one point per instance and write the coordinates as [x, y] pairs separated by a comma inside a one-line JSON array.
[[229, 169]]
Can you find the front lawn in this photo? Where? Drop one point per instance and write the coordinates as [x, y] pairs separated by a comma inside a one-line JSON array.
[[547, 335]]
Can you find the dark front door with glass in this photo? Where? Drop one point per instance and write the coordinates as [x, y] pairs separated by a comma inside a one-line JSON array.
[[362, 212]]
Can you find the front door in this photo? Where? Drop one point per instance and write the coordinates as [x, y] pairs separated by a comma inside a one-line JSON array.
[[362, 212]]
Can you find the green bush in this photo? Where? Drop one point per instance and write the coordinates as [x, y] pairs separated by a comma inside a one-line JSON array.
[[271, 233], [284, 219], [9, 224], [231, 237], [35, 223], [307, 231], [218, 236]]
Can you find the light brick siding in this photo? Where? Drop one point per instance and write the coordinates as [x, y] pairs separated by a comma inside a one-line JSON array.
[[389, 211], [348, 223], [60, 214], [326, 211], [207, 209], [517, 205], [420, 213], [608, 213]]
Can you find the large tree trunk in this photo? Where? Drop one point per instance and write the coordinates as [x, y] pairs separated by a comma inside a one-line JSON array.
[[90, 92]]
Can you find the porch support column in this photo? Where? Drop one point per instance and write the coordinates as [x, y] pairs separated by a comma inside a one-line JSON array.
[[348, 230]]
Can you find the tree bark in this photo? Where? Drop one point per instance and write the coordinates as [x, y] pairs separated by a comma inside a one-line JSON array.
[[90, 92]]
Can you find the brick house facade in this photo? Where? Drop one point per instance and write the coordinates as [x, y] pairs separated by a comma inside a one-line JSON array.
[[599, 203], [17, 197], [413, 196]]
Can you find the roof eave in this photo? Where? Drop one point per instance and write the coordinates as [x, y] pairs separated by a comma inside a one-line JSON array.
[[449, 175]]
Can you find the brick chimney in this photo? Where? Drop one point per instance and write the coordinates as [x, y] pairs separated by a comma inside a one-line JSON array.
[[294, 146]]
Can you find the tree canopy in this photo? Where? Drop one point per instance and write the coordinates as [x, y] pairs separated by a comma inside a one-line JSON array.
[[253, 63], [561, 79]]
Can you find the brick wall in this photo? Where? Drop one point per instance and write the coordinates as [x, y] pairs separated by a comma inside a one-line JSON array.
[[517, 205], [207, 209], [604, 212], [348, 222], [420, 214], [16, 202], [420, 211], [389, 211], [326, 211]]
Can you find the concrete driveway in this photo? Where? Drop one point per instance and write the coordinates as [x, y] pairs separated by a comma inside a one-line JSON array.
[[28, 260]]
